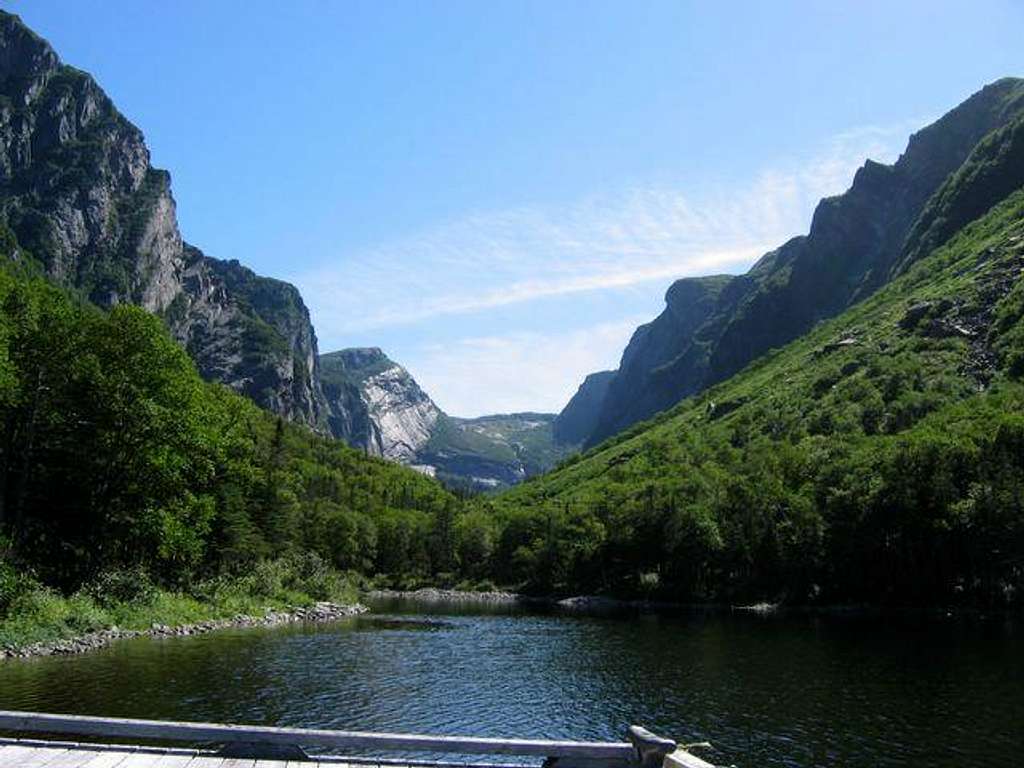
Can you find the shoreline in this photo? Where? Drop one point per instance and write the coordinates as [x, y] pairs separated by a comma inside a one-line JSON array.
[[604, 604], [318, 613]]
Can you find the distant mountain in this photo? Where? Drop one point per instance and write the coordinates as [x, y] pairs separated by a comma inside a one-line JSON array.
[[714, 326], [375, 404], [88, 210], [577, 420], [491, 452]]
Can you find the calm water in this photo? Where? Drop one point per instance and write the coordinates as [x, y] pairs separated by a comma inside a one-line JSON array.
[[766, 691]]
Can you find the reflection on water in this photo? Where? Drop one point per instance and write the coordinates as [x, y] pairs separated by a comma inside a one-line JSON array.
[[790, 691]]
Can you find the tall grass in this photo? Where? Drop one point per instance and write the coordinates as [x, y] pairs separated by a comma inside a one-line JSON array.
[[31, 612]]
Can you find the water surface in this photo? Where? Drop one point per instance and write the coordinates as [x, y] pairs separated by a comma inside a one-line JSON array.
[[766, 691]]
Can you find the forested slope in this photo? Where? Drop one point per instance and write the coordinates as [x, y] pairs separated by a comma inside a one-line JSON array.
[[115, 453], [880, 458]]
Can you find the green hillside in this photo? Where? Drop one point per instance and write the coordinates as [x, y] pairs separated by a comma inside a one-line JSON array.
[[878, 458], [116, 456]]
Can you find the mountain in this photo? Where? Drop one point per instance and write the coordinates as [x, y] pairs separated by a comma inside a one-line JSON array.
[[491, 452], [713, 326], [878, 458], [577, 420], [375, 404], [89, 211]]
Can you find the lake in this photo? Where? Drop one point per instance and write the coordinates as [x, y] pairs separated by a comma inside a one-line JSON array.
[[765, 690]]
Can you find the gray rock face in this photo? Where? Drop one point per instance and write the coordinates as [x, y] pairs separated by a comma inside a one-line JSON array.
[[376, 404], [79, 194], [579, 417], [713, 327]]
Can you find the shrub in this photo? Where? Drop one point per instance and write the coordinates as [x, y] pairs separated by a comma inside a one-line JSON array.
[[121, 585]]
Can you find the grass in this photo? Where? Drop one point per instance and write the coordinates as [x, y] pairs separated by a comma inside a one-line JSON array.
[[32, 613]]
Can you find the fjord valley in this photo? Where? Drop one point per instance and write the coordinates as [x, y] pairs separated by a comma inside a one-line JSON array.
[[838, 429], [874, 458]]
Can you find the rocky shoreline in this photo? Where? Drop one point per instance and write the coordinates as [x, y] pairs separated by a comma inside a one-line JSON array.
[[577, 603], [319, 613], [434, 595]]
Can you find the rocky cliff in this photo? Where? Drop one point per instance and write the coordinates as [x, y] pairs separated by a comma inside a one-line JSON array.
[[375, 404], [579, 417], [78, 192], [713, 327]]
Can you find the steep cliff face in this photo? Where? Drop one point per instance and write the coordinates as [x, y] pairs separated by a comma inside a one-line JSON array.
[[79, 194], [376, 404], [579, 417], [855, 244], [644, 383]]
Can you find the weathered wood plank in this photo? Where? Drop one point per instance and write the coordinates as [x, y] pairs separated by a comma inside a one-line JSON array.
[[23, 756], [67, 758], [142, 760], [218, 733], [271, 764], [73, 758], [54, 756], [107, 759], [207, 761], [238, 762], [172, 760], [683, 759]]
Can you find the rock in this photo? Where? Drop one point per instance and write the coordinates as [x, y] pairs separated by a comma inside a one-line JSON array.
[[80, 194], [434, 595], [375, 404], [915, 314], [834, 346], [579, 417]]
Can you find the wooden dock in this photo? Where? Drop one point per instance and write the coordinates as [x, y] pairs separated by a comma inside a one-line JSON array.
[[121, 743]]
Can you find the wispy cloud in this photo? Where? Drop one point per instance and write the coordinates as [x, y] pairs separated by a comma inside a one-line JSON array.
[[479, 271], [606, 241], [517, 371]]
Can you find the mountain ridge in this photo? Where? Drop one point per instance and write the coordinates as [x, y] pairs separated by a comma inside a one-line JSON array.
[[854, 243], [81, 197]]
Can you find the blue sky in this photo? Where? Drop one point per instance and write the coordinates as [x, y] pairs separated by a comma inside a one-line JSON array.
[[497, 193]]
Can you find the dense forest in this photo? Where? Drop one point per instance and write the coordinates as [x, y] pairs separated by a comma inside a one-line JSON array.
[[118, 458], [879, 459]]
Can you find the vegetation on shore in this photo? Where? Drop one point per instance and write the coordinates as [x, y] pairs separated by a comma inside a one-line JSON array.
[[127, 599]]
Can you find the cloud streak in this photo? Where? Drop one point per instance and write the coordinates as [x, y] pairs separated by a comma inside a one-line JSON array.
[[493, 269], [606, 241]]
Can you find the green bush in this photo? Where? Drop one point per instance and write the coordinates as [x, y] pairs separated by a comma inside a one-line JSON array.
[[121, 585]]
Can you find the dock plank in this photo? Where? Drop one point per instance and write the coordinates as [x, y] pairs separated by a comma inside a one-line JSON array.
[[21, 756], [177, 760], [106, 759], [71, 758]]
